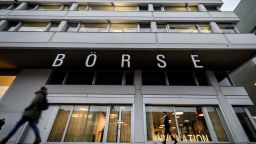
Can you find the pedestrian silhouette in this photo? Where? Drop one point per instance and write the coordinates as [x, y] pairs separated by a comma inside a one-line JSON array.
[[167, 129], [31, 115]]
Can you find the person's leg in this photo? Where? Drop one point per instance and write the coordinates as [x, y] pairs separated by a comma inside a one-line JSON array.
[[175, 141], [14, 130], [33, 124], [165, 136]]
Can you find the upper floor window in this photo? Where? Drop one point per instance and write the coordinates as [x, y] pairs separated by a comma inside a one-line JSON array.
[[204, 28], [227, 28], [92, 27], [50, 7], [185, 8], [33, 26], [212, 8], [125, 8], [72, 27], [144, 27], [4, 7], [184, 28], [12, 26], [158, 7], [53, 26], [132, 27], [100, 8]]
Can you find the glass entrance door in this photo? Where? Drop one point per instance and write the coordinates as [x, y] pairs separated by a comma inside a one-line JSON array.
[[111, 124]]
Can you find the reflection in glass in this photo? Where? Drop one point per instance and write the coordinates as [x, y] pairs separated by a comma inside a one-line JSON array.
[[183, 28], [205, 28], [59, 124], [217, 125], [175, 8], [155, 123], [30, 26], [123, 27], [192, 124], [112, 125], [125, 123], [77, 124], [246, 123]]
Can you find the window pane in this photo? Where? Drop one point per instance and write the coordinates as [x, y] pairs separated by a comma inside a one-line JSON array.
[[223, 79], [54, 27], [143, 8], [161, 28], [113, 125], [82, 7], [193, 8], [2, 7], [175, 8], [66, 7], [123, 27], [93, 27], [217, 125], [131, 8], [5, 83], [11, 26], [227, 28], [29, 26], [59, 124], [192, 124], [181, 78], [109, 78], [157, 8], [184, 28], [72, 27], [205, 28], [80, 78], [125, 130], [155, 123], [246, 123], [49, 7], [76, 129], [153, 78], [102, 8]]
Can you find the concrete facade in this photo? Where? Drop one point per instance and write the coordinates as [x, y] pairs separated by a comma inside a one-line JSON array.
[[32, 53]]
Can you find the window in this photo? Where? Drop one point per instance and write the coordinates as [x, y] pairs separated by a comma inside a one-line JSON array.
[[82, 7], [54, 27], [183, 28], [123, 27], [157, 7], [101, 8], [31, 26], [72, 27], [127, 8], [66, 7], [93, 27], [11, 26], [31, 6], [49, 7], [5, 83], [88, 123], [79, 78], [153, 78], [175, 8], [181, 78], [246, 123], [161, 27], [193, 8], [143, 8], [109, 78], [223, 79], [227, 28], [187, 124], [212, 8], [4, 7], [204, 28], [144, 27], [57, 77]]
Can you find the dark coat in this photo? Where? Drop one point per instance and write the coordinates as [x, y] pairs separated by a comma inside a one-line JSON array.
[[166, 122], [34, 110]]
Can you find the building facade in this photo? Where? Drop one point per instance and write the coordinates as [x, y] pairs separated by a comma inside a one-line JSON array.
[[245, 75], [112, 67]]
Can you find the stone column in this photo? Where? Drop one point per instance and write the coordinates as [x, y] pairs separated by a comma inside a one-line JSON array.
[[201, 8], [3, 24], [138, 110], [62, 26], [234, 125], [215, 28], [22, 6], [74, 7]]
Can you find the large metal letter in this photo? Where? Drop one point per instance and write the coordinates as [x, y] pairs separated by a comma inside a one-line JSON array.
[[195, 61], [126, 58], [58, 60], [94, 56], [162, 61]]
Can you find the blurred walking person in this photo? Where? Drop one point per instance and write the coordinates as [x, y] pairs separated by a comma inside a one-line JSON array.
[[167, 129], [31, 115]]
